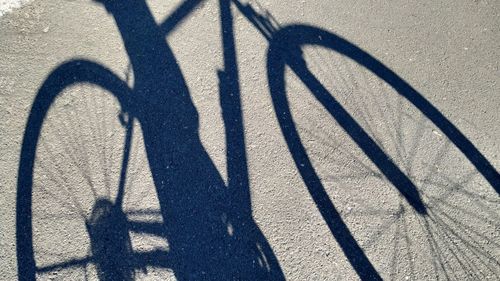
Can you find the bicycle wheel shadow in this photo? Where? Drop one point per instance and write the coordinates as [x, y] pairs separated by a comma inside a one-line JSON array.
[[285, 50]]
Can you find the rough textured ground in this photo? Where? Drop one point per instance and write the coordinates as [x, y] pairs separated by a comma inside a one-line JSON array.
[[448, 52]]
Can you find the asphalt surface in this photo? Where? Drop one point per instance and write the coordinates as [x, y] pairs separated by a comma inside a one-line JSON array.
[[371, 153]]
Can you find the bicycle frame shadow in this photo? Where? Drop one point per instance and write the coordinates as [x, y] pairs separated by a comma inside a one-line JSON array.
[[209, 226]]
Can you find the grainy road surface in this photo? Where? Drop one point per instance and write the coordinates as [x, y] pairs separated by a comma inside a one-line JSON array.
[[305, 140]]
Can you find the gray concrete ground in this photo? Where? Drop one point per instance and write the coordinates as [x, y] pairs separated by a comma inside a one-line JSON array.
[[330, 218]]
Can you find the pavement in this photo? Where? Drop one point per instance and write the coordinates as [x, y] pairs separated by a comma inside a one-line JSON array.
[[297, 140]]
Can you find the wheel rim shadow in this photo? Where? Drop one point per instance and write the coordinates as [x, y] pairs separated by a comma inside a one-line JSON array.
[[66, 75]]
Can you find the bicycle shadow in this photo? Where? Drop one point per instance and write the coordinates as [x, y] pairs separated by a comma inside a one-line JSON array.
[[209, 224]]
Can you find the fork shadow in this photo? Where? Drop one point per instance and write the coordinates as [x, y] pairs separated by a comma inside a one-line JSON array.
[[286, 50]]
